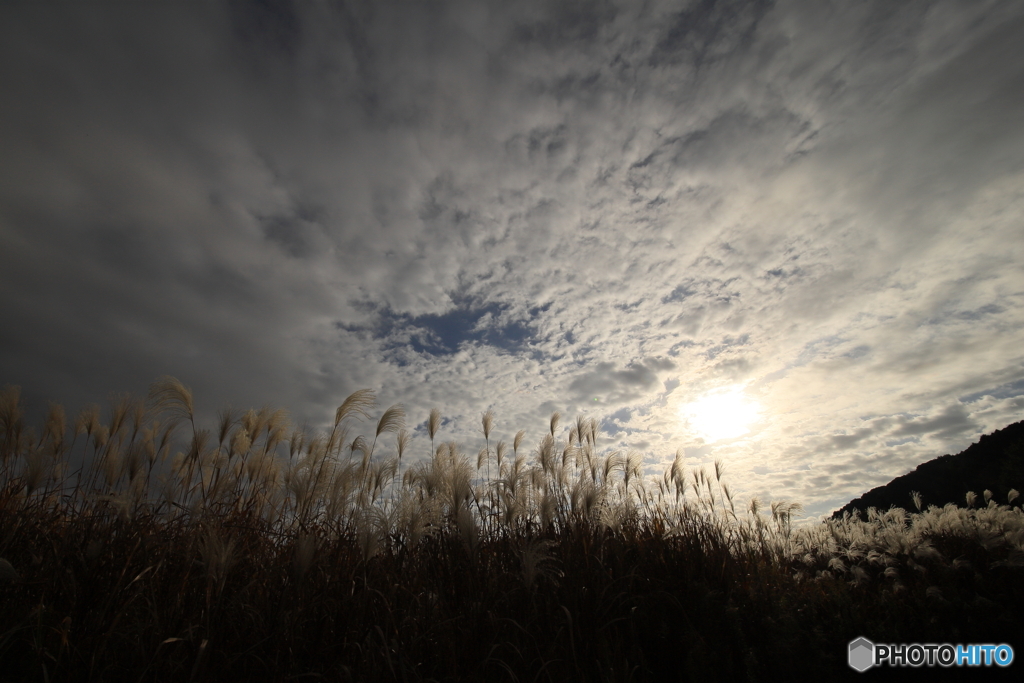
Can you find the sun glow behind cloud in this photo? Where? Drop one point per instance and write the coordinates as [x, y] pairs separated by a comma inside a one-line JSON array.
[[721, 414]]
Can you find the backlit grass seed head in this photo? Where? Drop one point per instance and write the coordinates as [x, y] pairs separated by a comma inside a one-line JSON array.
[[611, 462], [728, 497], [296, 443], [433, 422], [251, 422], [100, 436], [499, 452], [546, 453], [538, 478], [118, 413], [359, 403], [837, 564], [392, 420], [298, 480], [279, 421], [487, 421], [10, 408], [137, 414], [381, 474], [149, 435], [225, 419], [360, 446], [167, 394], [574, 453], [402, 442], [634, 459], [755, 507], [276, 429], [517, 441], [340, 485], [88, 420], [555, 417], [442, 453], [457, 475], [416, 519], [200, 440], [582, 429], [111, 464], [135, 459], [613, 515], [55, 427], [678, 469]]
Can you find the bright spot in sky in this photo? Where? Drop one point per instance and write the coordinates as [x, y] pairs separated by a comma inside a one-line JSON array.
[[721, 414]]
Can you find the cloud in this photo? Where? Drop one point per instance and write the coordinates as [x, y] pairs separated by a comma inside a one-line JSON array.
[[527, 206], [952, 421], [614, 386]]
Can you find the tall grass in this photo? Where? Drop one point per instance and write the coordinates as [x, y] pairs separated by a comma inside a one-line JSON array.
[[263, 552]]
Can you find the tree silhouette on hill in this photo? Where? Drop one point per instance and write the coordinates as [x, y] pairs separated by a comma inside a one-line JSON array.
[[994, 463]]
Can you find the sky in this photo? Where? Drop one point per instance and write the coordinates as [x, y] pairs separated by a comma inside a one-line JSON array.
[[787, 235]]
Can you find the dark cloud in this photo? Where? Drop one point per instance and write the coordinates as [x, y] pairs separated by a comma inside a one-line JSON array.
[[709, 30], [843, 441], [1008, 390], [613, 385], [563, 23], [952, 421], [272, 25]]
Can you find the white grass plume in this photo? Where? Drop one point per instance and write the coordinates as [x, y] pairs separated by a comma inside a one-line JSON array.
[[168, 394]]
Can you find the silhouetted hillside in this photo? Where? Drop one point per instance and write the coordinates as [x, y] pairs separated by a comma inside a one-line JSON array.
[[995, 463]]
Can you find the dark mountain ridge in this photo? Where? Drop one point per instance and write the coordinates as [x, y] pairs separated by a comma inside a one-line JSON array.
[[995, 463]]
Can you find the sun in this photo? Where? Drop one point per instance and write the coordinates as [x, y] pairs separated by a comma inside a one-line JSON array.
[[721, 414]]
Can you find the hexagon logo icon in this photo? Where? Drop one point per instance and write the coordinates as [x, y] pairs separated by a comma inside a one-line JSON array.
[[862, 654]]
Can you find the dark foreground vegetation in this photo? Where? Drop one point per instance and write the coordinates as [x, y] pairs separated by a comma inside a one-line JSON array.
[[259, 553]]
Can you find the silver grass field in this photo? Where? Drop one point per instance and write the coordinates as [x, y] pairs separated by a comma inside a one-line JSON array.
[[262, 552]]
